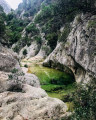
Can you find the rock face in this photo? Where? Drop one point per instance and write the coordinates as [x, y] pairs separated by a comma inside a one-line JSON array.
[[79, 52], [21, 97], [24, 106], [6, 7], [35, 48], [32, 50]]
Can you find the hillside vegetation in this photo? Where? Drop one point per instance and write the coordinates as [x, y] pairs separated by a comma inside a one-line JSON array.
[[53, 15]]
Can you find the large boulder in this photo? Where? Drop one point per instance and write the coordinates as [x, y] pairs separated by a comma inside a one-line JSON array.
[[26, 106], [11, 73], [8, 60]]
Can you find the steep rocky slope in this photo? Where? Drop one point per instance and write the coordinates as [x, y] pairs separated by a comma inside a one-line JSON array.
[[45, 18], [37, 44], [6, 7], [79, 52], [21, 97]]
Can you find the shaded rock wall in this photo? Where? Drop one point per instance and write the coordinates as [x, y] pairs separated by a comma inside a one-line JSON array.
[[79, 52]]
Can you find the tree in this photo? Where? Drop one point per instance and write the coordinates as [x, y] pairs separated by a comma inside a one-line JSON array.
[[24, 52], [2, 26]]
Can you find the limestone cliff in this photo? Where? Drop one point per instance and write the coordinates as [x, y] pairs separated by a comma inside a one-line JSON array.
[[79, 52]]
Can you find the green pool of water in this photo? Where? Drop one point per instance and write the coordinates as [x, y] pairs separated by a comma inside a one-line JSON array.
[[54, 82]]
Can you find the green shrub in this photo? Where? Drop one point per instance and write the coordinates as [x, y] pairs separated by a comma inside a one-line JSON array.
[[94, 53], [15, 26], [44, 14], [10, 77], [14, 70], [2, 26], [16, 49], [32, 29], [14, 37], [26, 65], [38, 39], [91, 24], [24, 52], [28, 44], [79, 19], [26, 14], [52, 40], [85, 102], [25, 41], [68, 97], [47, 50], [65, 34]]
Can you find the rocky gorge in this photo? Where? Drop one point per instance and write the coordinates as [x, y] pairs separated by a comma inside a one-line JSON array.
[[62, 39]]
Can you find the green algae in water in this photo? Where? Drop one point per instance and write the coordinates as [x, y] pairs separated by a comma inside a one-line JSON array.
[[56, 83], [58, 91], [50, 76]]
